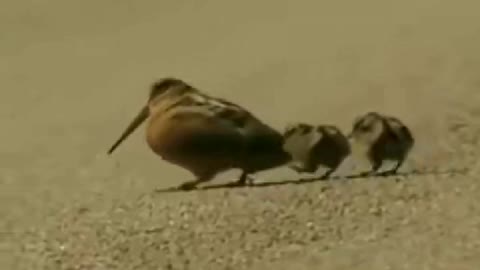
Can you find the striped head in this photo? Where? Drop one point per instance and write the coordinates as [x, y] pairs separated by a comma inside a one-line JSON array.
[[168, 87], [161, 90], [298, 139], [297, 128], [367, 128], [335, 136], [329, 130]]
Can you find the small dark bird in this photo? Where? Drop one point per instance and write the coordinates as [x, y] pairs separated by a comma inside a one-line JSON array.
[[314, 146], [385, 138]]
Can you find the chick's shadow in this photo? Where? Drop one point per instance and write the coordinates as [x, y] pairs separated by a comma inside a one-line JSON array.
[[302, 181]]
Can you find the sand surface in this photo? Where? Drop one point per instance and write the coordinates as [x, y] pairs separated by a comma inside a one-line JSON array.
[[74, 73]]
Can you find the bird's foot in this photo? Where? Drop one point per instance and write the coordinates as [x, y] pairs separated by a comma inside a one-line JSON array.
[[387, 173], [303, 169], [325, 176], [187, 186], [368, 174], [244, 180]]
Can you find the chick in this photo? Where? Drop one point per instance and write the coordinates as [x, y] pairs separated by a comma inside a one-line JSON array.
[[314, 146], [384, 137]]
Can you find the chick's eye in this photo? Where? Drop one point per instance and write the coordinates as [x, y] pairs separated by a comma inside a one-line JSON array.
[[289, 132], [365, 128]]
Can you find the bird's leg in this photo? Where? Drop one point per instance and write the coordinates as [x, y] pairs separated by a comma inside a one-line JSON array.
[[304, 167], [309, 168], [190, 185], [327, 174], [395, 169], [375, 167], [297, 168], [243, 180]]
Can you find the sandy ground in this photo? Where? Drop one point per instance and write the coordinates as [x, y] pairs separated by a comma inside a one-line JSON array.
[[73, 73]]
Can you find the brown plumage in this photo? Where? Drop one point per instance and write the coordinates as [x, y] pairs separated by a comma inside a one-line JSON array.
[[205, 135], [385, 138], [314, 146]]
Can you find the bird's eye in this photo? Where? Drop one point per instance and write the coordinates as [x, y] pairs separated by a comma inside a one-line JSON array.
[[365, 128], [289, 132]]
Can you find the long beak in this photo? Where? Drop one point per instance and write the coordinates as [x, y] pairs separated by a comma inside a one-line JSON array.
[[141, 116]]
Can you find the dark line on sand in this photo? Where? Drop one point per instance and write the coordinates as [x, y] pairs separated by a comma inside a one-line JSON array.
[[302, 181]]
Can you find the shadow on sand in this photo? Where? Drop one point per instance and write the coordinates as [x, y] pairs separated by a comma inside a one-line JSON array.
[[397, 176]]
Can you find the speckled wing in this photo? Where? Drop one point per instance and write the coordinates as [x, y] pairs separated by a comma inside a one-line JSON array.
[[399, 130], [195, 130]]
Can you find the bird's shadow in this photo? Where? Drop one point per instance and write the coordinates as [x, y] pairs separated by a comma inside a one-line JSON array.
[[302, 181]]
